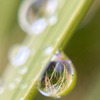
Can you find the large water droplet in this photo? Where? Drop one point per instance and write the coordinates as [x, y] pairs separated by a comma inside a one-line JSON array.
[[58, 77], [34, 15]]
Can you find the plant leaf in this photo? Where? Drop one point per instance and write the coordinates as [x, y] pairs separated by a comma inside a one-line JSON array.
[[53, 38]]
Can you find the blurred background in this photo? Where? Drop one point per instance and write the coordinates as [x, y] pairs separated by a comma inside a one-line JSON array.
[[83, 49]]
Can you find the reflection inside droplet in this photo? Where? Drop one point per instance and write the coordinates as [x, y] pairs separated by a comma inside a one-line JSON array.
[[36, 10], [57, 77], [41, 9], [21, 98]]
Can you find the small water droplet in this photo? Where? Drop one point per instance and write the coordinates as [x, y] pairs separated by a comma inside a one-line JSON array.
[[51, 6], [48, 50], [1, 90], [11, 86], [58, 76], [22, 70], [52, 20], [39, 26], [18, 55], [18, 79], [34, 15], [1, 87], [23, 85], [21, 98]]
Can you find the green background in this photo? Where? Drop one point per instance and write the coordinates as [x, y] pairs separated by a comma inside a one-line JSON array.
[[83, 49]]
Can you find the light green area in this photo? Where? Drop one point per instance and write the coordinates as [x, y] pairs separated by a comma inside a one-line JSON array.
[[56, 36]]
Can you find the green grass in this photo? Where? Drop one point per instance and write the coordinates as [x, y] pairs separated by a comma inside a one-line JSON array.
[[56, 36]]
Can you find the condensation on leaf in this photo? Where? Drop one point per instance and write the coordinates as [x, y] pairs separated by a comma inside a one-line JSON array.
[[18, 55], [35, 15], [57, 77]]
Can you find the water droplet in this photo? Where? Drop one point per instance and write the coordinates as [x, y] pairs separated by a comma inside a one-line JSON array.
[[34, 15], [39, 26], [11, 86], [1, 87], [48, 50], [18, 79], [52, 20], [23, 70], [18, 55], [59, 76], [32, 51], [21, 98], [23, 85], [1, 90]]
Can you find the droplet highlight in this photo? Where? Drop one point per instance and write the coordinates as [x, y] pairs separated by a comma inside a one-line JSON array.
[[59, 76], [39, 25]]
